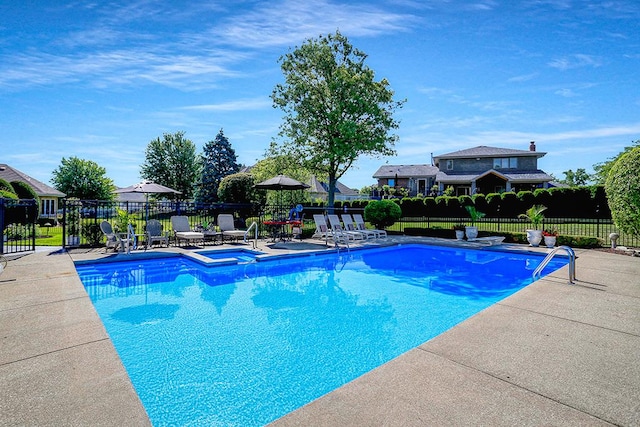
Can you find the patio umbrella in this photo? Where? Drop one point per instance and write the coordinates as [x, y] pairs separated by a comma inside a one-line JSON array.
[[279, 183], [147, 187]]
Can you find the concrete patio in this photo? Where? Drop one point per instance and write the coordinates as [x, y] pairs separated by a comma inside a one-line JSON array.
[[551, 354]]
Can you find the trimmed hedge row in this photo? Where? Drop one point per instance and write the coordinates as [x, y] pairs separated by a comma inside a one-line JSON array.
[[573, 202]]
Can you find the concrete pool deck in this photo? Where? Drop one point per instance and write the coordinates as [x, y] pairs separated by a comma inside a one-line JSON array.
[[551, 354]]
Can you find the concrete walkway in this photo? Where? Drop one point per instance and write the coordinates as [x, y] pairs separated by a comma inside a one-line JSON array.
[[551, 354]]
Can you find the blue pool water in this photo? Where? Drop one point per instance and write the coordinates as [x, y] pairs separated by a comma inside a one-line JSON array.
[[241, 255], [245, 344]]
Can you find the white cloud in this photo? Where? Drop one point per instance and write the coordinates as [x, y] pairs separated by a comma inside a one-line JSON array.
[[291, 22], [575, 61], [236, 105]]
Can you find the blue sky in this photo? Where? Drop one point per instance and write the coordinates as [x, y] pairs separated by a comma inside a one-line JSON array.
[[100, 79]]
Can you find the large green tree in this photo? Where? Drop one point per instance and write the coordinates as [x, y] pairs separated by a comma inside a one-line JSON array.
[[218, 160], [172, 161], [623, 192], [82, 179], [577, 178], [602, 169], [334, 108]]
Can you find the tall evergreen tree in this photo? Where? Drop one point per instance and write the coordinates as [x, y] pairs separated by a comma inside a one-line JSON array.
[[218, 160]]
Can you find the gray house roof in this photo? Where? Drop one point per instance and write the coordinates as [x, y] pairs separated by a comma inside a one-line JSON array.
[[321, 188], [484, 151], [403, 171], [520, 176], [10, 174]]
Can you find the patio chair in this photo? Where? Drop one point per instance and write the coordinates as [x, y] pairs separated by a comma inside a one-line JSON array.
[[228, 228], [182, 230], [350, 225], [325, 233], [114, 240], [322, 229], [357, 218], [154, 234], [338, 229]]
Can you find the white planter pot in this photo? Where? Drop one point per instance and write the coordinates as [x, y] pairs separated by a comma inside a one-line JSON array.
[[472, 232], [534, 237], [459, 234], [73, 240], [549, 241]]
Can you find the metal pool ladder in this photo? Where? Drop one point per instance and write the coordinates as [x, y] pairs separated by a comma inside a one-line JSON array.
[[572, 263]]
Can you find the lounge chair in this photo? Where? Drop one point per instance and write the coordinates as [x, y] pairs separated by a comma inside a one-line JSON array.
[[324, 232], [154, 234], [182, 230], [350, 225], [322, 229], [357, 218], [114, 240], [228, 228], [338, 229]]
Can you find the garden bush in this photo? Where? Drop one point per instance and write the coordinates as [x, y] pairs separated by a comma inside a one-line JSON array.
[[382, 213]]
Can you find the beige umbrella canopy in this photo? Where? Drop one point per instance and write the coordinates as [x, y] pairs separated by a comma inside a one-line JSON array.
[[148, 187]]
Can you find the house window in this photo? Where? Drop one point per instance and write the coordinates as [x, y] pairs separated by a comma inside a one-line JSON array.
[[391, 182], [449, 165], [505, 163]]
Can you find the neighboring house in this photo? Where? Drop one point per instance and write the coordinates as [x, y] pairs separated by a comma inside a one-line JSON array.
[[491, 170], [474, 170], [418, 179], [319, 190], [49, 196]]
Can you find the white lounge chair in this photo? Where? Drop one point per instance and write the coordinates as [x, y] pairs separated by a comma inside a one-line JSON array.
[[182, 230], [154, 234], [350, 225], [337, 228], [114, 240], [361, 226], [228, 228], [322, 229]]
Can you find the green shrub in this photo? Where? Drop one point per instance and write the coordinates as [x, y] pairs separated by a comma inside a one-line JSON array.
[[382, 213], [623, 192], [92, 234]]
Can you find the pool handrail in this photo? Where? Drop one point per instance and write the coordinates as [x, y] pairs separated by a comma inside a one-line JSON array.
[[572, 263], [255, 240]]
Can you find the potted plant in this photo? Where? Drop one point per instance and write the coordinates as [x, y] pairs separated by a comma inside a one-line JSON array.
[[472, 230], [459, 229], [535, 215], [550, 237]]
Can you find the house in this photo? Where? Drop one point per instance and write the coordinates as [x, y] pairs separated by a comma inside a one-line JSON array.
[[479, 169], [319, 190], [491, 170], [418, 179], [49, 196]]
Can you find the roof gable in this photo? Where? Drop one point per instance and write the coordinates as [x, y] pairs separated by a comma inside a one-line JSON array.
[[405, 171], [11, 174]]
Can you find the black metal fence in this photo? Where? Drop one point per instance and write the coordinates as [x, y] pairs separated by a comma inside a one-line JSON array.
[[78, 221], [18, 225]]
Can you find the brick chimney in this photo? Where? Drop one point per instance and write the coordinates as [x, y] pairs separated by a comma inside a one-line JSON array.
[[532, 146]]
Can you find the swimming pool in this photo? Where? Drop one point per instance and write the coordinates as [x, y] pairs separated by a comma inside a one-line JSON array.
[[247, 343]]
